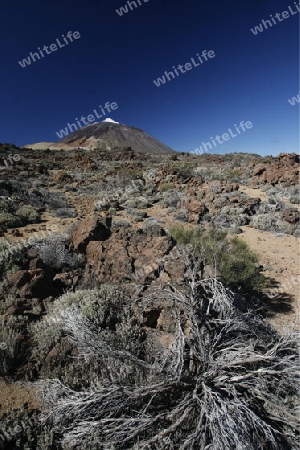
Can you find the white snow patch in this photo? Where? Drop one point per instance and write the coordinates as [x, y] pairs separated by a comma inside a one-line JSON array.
[[109, 120]]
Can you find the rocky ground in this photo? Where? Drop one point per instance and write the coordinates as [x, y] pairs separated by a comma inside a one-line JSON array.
[[73, 221]]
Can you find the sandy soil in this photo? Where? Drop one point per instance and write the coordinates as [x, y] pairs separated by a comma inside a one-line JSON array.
[[254, 193], [16, 396], [280, 257]]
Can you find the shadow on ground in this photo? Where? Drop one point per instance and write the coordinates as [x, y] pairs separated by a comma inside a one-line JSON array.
[[273, 301]]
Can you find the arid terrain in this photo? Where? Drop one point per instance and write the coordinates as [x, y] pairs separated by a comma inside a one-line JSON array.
[[73, 220]]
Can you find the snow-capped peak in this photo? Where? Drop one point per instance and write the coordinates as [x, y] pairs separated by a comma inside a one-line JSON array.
[[109, 120]]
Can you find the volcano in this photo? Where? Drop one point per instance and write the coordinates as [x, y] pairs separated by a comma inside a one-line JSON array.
[[105, 136]]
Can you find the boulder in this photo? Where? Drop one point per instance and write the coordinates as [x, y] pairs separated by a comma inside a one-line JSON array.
[[92, 229], [36, 283]]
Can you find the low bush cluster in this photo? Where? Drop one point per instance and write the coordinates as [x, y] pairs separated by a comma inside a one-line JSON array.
[[65, 212], [8, 220], [138, 202], [52, 250], [120, 223], [272, 222], [28, 214], [237, 264], [105, 309], [166, 187]]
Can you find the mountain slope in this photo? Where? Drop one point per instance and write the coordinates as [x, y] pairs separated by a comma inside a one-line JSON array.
[[107, 135]]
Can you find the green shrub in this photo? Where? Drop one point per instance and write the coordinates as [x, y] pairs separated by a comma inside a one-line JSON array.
[[8, 220], [28, 214], [166, 187], [184, 169], [237, 264], [46, 334], [138, 202], [184, 236]]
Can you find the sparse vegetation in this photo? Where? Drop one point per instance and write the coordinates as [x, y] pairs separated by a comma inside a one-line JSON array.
[[138, 202], [166, 187], [184, 169], [65, 212], [28, 214], [53, 252], [120, 223], [105, 309], [237, 264], [10, 221], [135, 342]]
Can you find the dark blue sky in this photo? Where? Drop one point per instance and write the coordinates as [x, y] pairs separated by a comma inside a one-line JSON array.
[[117, 58]]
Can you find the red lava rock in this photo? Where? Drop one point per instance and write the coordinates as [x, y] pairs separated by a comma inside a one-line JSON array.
[[282, 169], [33, 283], [87, 230], [291, 215], [259, 169]]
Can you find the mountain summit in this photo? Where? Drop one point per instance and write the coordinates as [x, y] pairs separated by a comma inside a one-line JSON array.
[[106, 135], [109, 120]]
